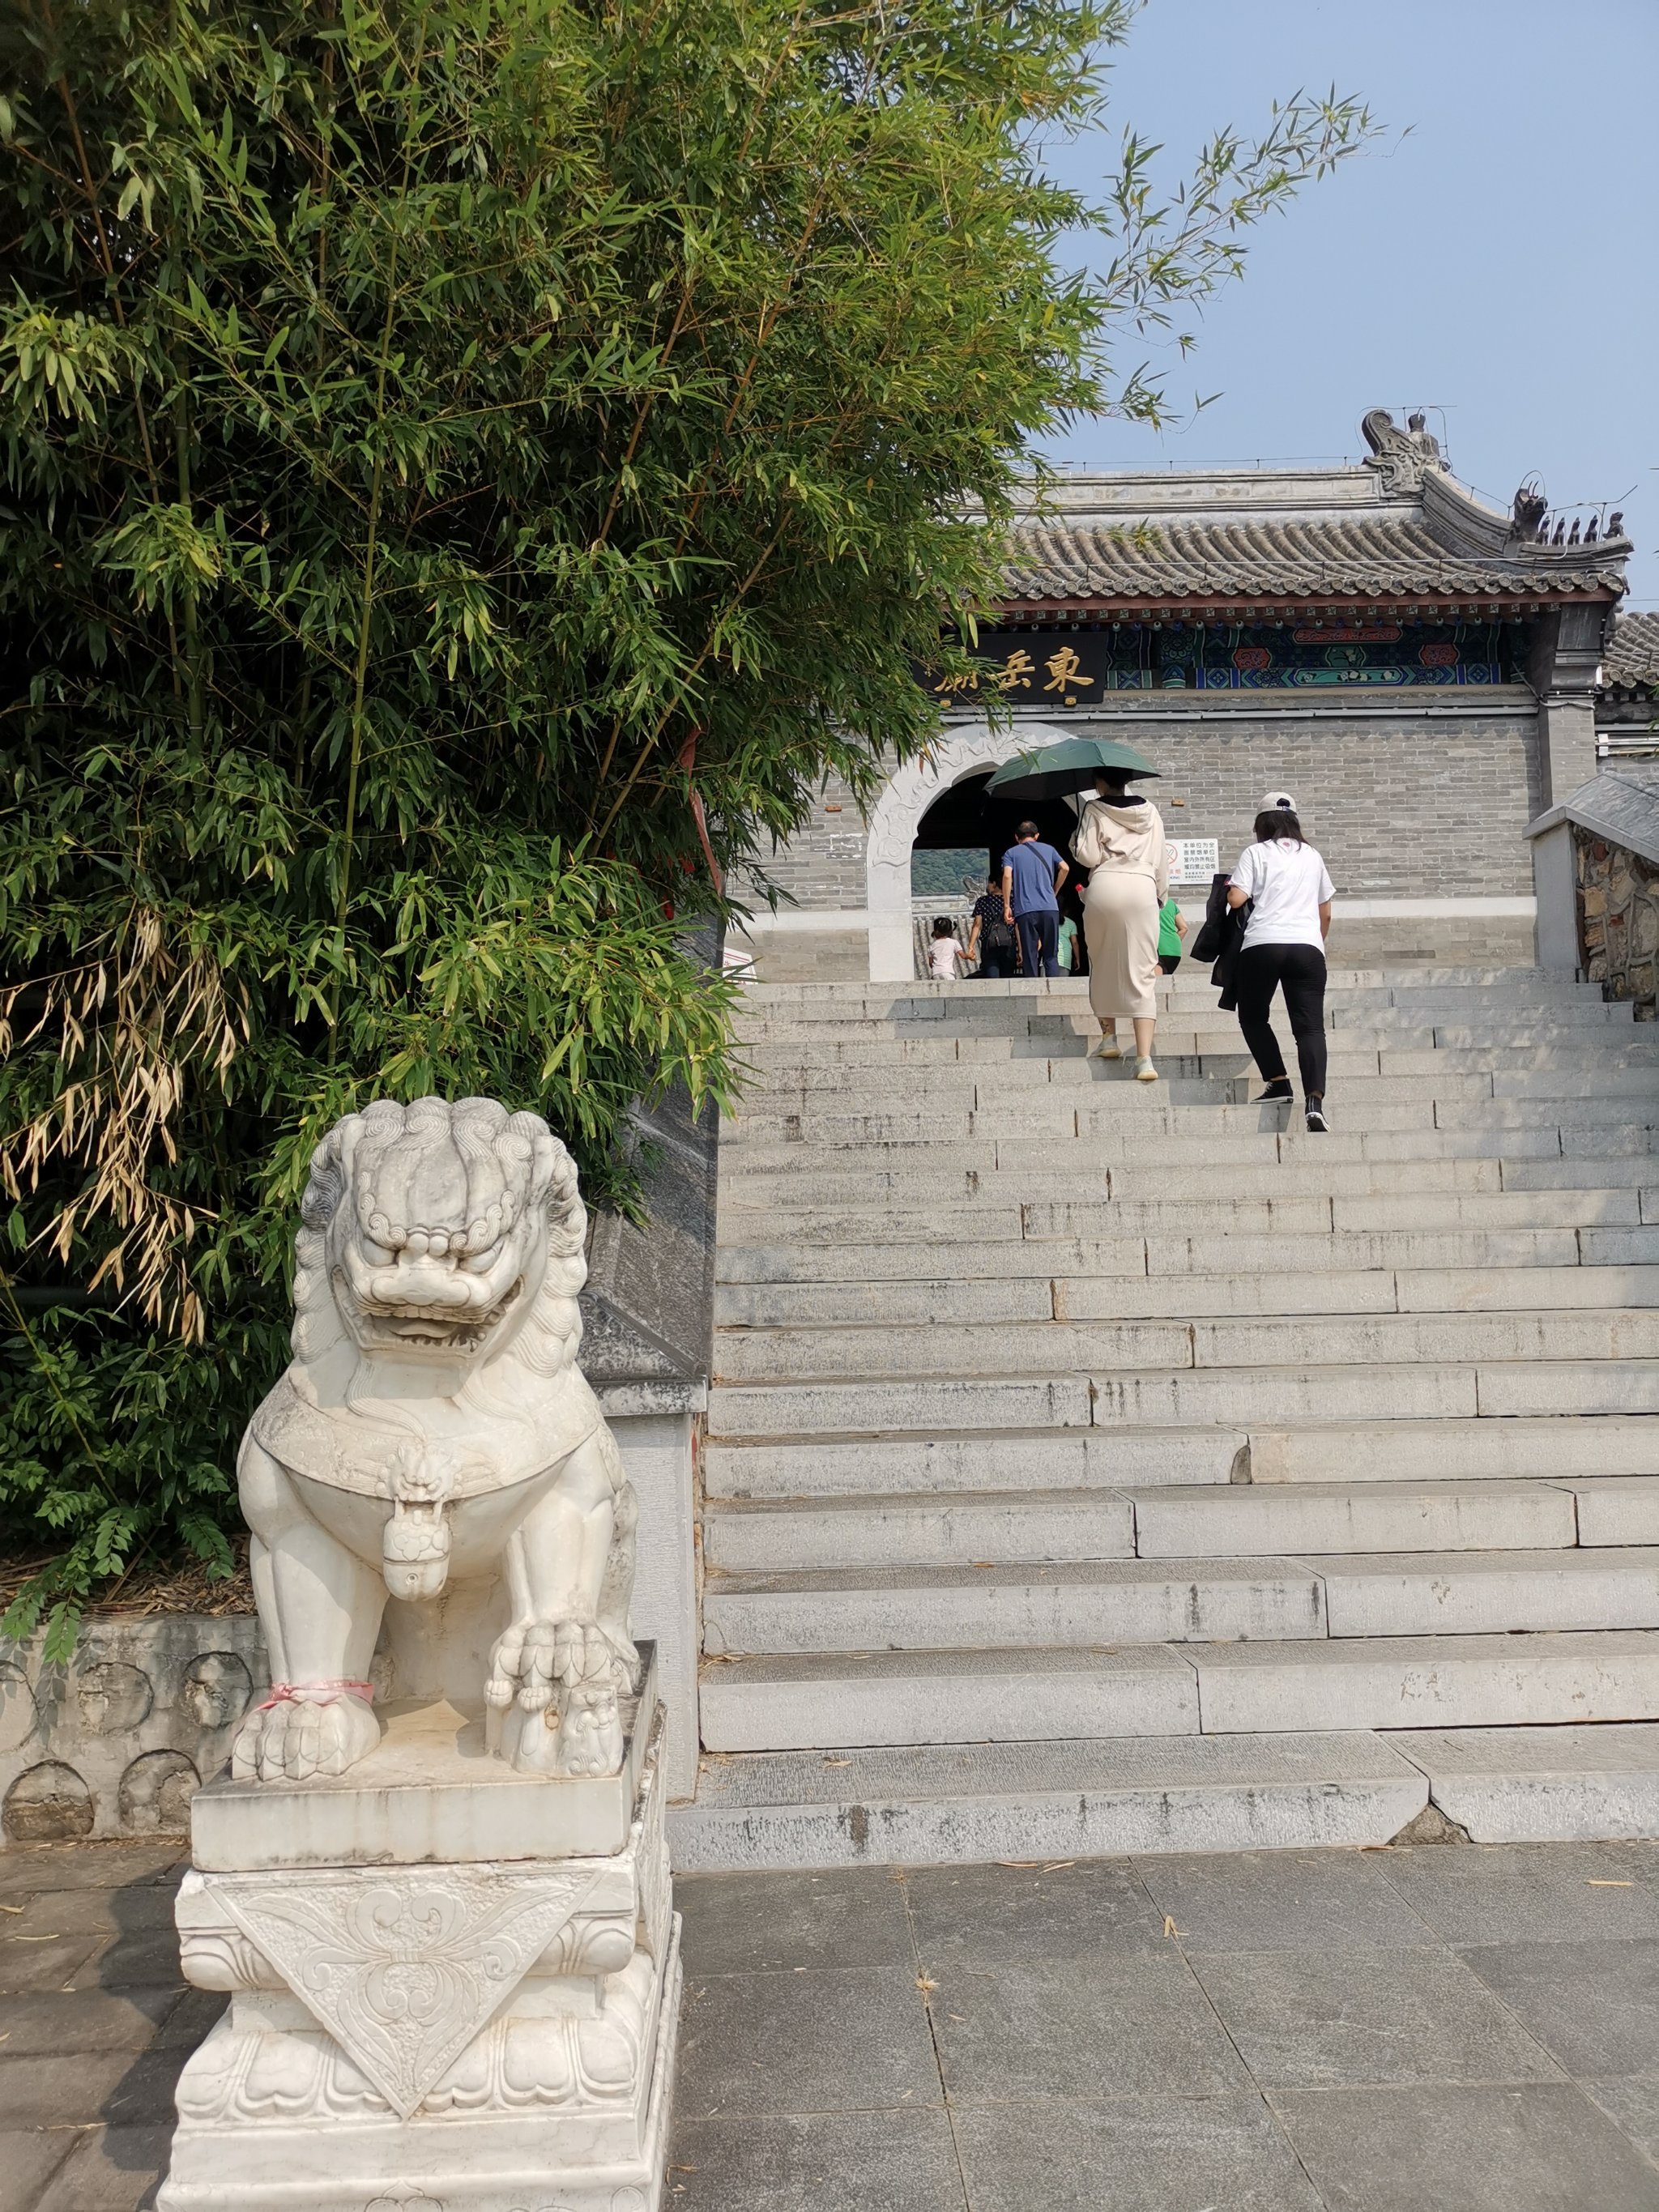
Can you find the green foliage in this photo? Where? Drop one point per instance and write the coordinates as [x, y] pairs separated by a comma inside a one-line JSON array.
[[470, 468]]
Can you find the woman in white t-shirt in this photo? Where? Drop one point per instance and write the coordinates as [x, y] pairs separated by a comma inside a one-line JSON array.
[[1290, 894]]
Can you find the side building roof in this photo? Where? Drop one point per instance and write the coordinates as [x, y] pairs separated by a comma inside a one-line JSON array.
[[1396, 533], [1630, 660]]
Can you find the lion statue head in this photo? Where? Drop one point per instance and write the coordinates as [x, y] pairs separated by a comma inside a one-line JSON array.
[[439, 1236]]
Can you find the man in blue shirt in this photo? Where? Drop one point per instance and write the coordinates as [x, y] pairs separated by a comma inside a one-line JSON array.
[[1032, 873]]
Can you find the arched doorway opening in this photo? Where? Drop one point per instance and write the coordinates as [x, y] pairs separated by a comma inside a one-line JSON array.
[[973, 823], [959, 843], [964, 758]]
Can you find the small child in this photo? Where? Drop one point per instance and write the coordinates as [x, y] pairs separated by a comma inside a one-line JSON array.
[[944, 953], [1170, 930]]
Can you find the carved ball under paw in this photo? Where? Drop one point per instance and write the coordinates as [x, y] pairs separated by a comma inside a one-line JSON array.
[[297, 1738], [590, 1733]]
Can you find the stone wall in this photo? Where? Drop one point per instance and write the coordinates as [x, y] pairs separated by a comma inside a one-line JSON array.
[[115, 1743], [1400, 808], [1618, 903], [1398, 812]]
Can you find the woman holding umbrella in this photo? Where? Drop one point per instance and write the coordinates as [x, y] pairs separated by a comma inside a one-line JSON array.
[[1119, 840]]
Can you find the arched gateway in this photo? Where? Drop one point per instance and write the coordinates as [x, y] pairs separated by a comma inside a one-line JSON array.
[[897, 817], [1417, 667]]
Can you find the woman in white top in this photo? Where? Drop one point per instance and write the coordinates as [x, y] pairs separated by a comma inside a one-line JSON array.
[[1119, 840], [1290, 894]]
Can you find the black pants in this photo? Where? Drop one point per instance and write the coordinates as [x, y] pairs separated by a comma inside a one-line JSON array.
[[1301, 970], [1169, 962], [1039, 942]]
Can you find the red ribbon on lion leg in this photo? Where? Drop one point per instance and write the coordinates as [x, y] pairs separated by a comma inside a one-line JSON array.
[[316, 1693]]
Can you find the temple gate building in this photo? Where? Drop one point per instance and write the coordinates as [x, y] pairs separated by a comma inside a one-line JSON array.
[[1419, 668]]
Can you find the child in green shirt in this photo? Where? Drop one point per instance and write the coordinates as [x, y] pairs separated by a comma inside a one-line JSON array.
[[1170, 930]]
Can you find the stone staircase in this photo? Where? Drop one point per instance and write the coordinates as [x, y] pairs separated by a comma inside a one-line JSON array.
[[1096, 1467]]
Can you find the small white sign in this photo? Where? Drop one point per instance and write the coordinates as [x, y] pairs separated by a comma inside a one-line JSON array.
[[1194, 860]]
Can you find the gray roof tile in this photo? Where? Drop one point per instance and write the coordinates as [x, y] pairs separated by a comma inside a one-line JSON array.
[[1392, 555], [1633, 651]]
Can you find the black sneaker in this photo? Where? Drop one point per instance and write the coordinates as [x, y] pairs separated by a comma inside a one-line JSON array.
[[1276, 1094], [1317, 1125]]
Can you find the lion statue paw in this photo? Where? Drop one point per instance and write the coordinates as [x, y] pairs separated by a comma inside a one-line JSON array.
[[552, 1700], [302, 1733]]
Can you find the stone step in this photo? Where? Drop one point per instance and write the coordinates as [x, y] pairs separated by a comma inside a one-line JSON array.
[[1271, 1397], [1632, 1172], [1198, 1520], [1393, 1450], [1164, 1109], [800, 1534], [1616, 1508], [1112, 1346], [845, 1270], [1068, 1602], [1604, 1456], [764, 1206], [967, 1803], [838, 1702], [924, 990], [1074, 1081], [834, 1701], [925, 999], [1424, 1048], [901, 1171], [742, 1207], [1098, 1219], [1488, 1593], [1290, 1397], [1088, 1602], [885, 1167], [1004, 1459], [1544, 1679], [1201, 1521], [1523, 1785], [1469, 1020], [1269, 1289]]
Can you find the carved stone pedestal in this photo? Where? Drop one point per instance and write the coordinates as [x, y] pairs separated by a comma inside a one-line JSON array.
[[462, 2034]]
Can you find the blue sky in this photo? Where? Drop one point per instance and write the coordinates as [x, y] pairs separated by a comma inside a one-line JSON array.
[[1499, 262]]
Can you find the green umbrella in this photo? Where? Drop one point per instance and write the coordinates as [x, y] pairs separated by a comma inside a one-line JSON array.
[[1057, 771]]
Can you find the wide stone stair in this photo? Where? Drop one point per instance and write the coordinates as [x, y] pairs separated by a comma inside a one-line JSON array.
[[1097, 1467]]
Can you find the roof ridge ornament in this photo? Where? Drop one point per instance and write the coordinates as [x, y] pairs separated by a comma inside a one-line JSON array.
[[1400, 455]]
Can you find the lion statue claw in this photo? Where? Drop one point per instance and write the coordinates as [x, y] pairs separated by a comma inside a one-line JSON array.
[[433, 1423]]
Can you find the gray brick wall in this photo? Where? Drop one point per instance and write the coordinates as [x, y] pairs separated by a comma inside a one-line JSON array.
[[824, 866], [1434, 811], [1397, 812]]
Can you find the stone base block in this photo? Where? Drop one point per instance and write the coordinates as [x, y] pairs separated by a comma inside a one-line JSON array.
[[535, 2158], [493, 2034]]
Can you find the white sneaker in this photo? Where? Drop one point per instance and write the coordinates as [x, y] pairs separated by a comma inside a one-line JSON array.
[[1144, 1071], [1105, 1048]]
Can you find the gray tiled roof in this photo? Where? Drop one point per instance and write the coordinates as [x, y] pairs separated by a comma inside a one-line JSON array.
[[1633, 651], [1385, 554], [1398, 525], [1621, 805]]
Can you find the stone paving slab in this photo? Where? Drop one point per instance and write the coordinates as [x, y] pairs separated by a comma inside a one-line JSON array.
[[1300, 2031]]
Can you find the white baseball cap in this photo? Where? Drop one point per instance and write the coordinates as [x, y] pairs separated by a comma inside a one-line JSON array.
[[1274, 802]]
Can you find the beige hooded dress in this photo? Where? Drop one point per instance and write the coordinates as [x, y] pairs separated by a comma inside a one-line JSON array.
[[1123, 847]]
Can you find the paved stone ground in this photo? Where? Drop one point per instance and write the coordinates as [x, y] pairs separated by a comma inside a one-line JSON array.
[[1395, 2031]]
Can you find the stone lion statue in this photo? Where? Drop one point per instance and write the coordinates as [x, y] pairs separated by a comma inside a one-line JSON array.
[[433, 1422]]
